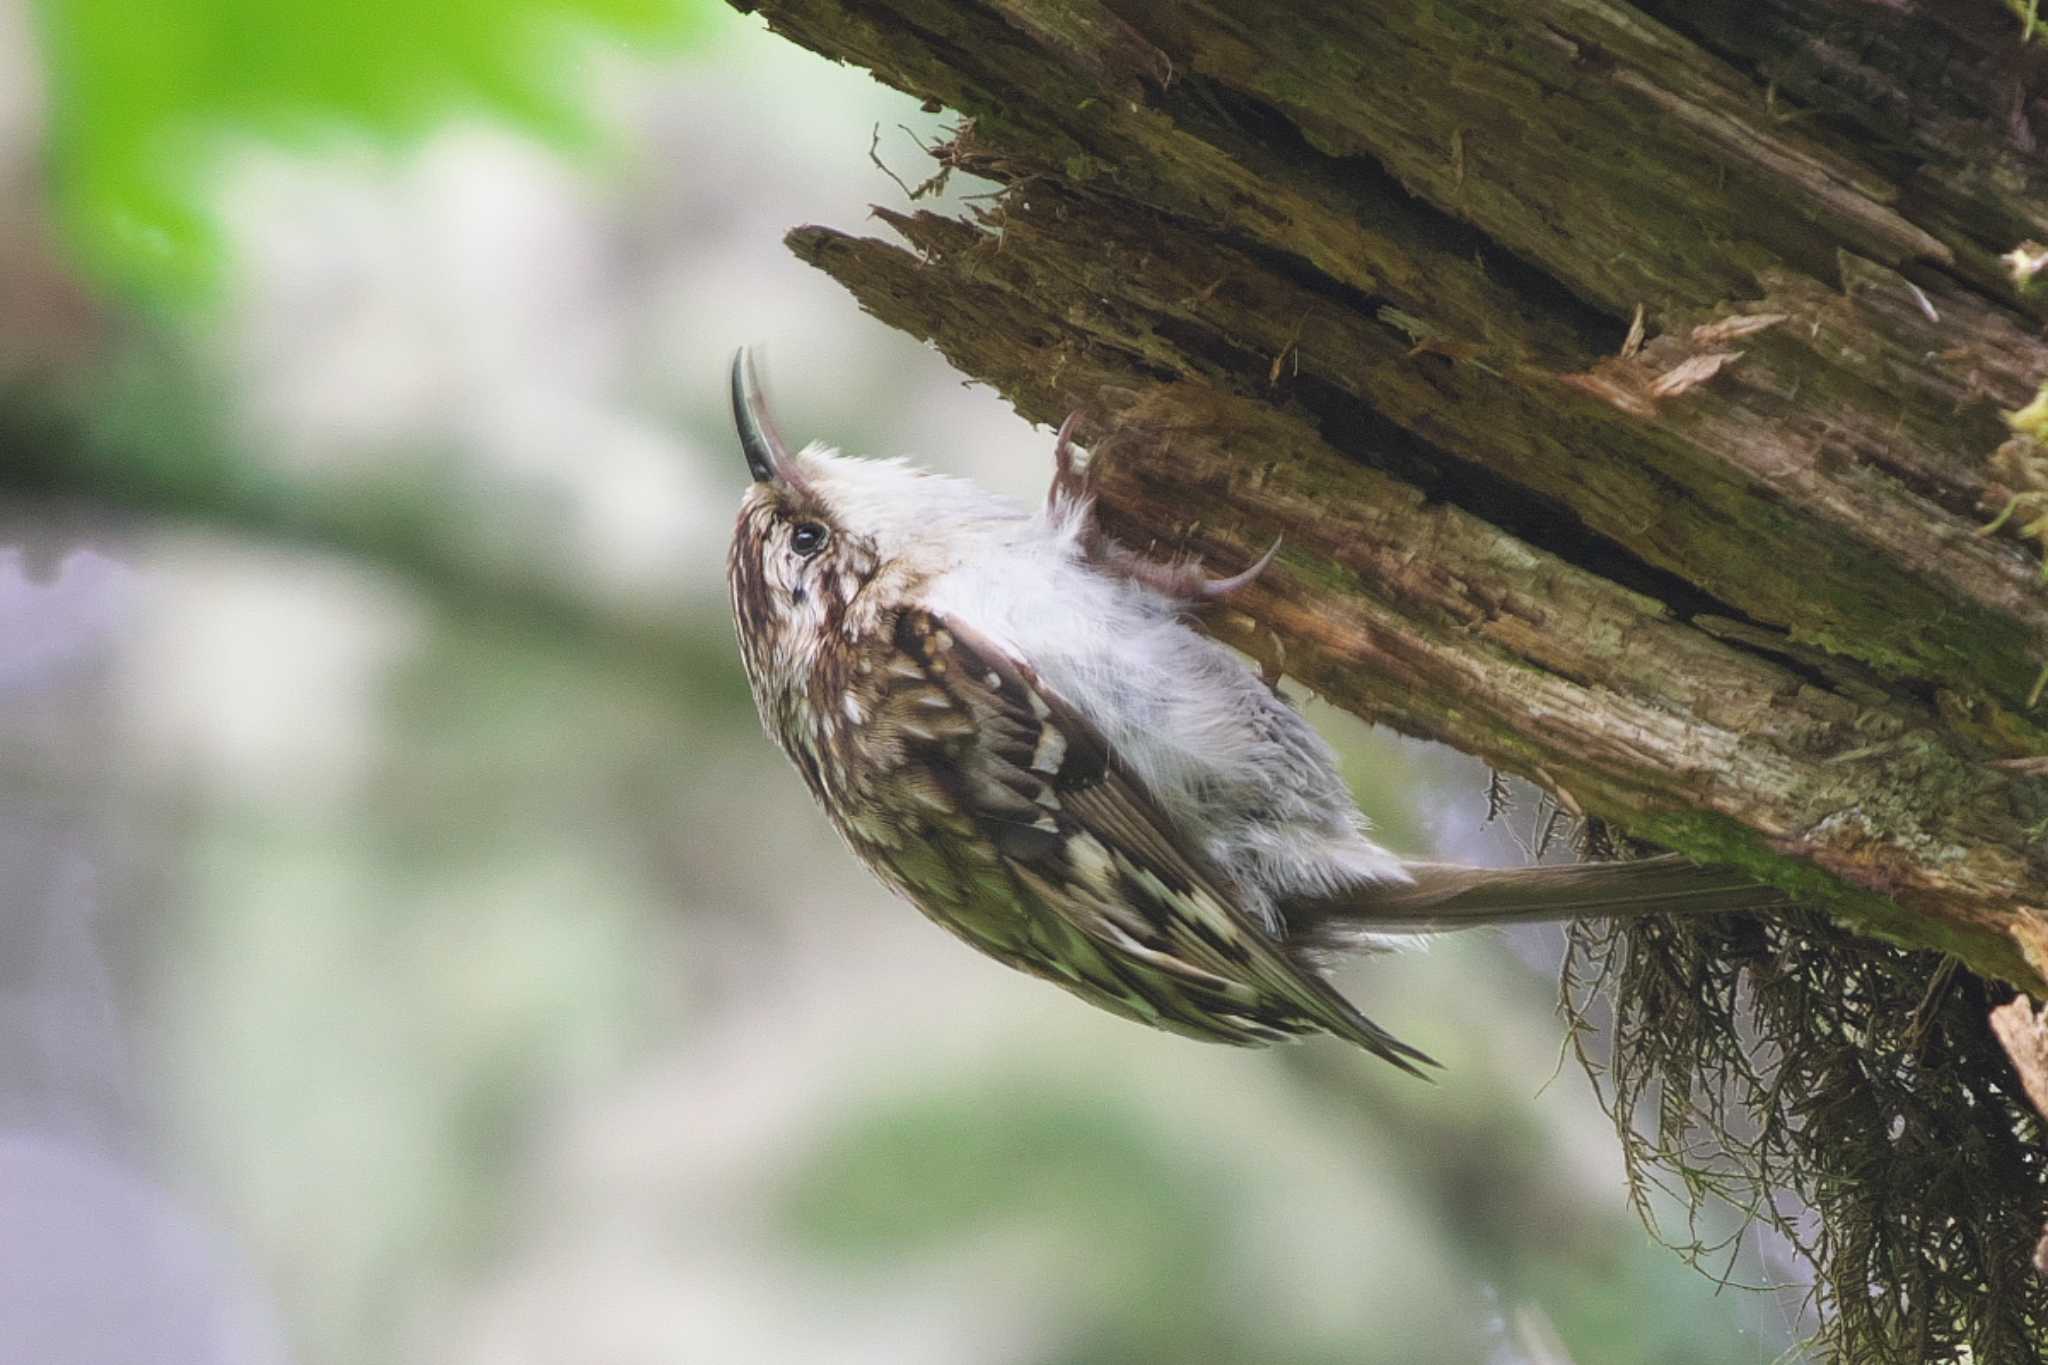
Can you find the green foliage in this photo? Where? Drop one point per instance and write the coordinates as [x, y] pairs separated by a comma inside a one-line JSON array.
[[1169, 1248], [143, 96], [1146, 1234], [2029, 14], [914, 1175]]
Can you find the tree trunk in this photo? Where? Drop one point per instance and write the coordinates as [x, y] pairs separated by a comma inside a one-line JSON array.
[[1364, 276]]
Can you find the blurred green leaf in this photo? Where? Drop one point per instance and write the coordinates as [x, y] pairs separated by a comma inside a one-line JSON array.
[[906, 1177], [143, 96], [1146, 1247]]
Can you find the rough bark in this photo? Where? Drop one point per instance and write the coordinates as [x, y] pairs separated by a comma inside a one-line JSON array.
[[1364, 276]]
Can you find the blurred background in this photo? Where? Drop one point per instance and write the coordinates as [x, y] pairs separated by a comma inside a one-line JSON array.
[[410, 950]]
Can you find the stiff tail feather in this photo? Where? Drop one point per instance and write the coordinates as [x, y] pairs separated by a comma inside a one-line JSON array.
[[1444, 897]]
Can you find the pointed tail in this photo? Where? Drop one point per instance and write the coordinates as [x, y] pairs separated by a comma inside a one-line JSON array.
[[1444, 897]]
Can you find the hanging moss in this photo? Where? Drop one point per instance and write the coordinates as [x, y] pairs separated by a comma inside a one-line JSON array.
[[1843, 1093]]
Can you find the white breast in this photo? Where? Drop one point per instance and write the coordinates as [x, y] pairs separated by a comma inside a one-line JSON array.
[[1230, 763]]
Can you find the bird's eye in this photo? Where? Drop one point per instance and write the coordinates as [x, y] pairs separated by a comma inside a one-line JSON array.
[[807, 539]]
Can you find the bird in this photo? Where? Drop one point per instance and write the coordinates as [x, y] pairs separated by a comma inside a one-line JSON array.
[[1013, 721]]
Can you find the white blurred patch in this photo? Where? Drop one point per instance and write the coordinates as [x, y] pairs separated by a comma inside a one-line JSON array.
[[257, 676], [21, 81]]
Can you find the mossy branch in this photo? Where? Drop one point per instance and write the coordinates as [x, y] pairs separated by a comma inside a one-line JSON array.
[[1622, 377]]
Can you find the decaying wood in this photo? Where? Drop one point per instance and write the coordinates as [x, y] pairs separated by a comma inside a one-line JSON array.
[[1624, 378]]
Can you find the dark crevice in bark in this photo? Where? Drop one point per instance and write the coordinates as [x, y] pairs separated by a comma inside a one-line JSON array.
[[1978, 267], [1963, 503], [1920, 53], [1721, 30], [1876, 81], [1226, 362], [1373, 190], [1934, 275], [1441, 476], [1836, 676]]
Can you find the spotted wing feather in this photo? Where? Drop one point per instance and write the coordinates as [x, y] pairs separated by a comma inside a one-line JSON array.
[[1122, 911]]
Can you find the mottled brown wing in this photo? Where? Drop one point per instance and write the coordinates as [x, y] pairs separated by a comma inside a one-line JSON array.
[[1079, 830]]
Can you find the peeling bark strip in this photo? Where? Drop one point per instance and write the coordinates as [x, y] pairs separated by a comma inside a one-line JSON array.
[[1366, 275]]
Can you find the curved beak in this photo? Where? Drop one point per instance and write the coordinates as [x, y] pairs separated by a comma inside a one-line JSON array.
[[767, 458]]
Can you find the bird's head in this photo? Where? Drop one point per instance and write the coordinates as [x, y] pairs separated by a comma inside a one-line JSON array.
[[827, 545]]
